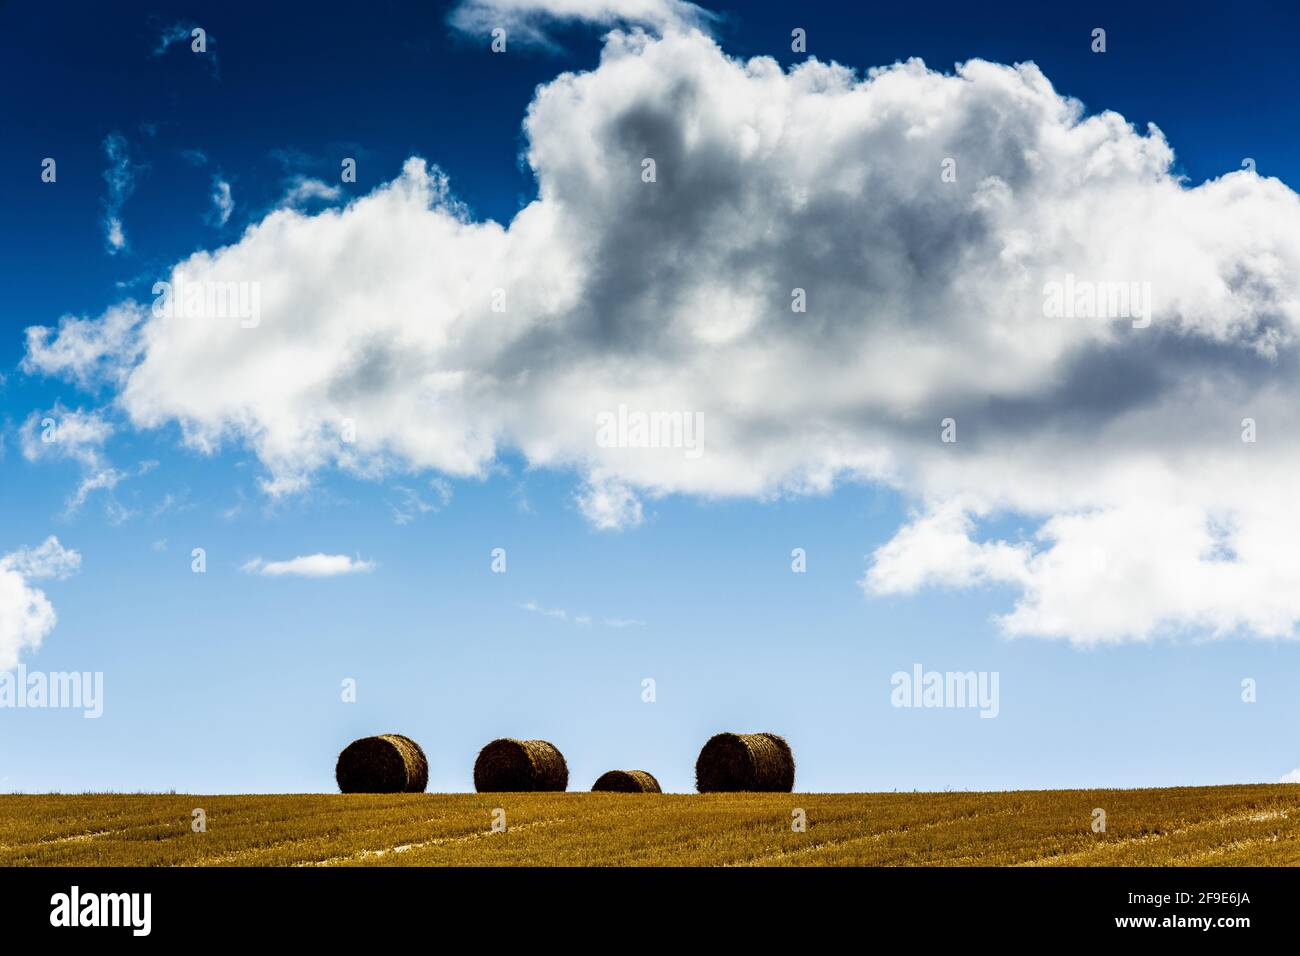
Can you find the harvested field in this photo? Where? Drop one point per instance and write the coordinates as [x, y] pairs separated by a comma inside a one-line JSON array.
[[1237, 825]]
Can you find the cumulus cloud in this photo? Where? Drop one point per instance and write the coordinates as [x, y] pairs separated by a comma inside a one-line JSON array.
[[1117, 443], [66, 434], [26, 615], [530, 20], [309, 566], [86, 351], [609, 504], [937, 549]]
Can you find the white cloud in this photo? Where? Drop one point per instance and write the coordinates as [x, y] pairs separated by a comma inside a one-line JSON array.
[[172, 35], [410, 504], [1117, 447], [529, 20], [47, 560], [937, 549], [121, 177], [309, 566], [582, 620], [303, 189], [182, 35], [62, 433], [609, 505], [85, 350], [26, 615], [558, 613], [1292, 777], [222, 202]]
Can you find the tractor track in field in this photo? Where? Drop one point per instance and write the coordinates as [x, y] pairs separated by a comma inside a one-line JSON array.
[[864, 838], [1104, 846]]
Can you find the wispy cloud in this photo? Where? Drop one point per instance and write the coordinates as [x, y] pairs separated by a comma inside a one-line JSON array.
[[303, 190], [222, 201], [61, 434], [182, 33], [558, 613], [121, 177], [410, 504], [582, 620], [531, 21], [309, 566]]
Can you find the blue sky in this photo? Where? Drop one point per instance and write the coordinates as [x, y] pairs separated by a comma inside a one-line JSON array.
[[229, 681]]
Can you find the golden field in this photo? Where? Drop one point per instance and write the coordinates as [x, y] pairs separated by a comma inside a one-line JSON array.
[[1237, 825]]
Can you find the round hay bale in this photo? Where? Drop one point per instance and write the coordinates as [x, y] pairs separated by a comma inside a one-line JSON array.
[[759, 762], [626, 781], [389, 763], [520, 765]]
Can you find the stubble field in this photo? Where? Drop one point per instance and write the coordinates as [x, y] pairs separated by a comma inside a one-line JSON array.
[[1237, 825]]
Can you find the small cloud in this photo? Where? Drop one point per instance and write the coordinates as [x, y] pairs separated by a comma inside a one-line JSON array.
[[26, 615], [609, 505], [47, 560], [304, 189], [105, 479], [223, 203], [121, 177], [86, 351], [410, 504], [558, 613], [309, 566], [114, 234], [173, 504], [582, 620], [62, 433], [183, 34], [1292, 777], [176, 33], [529, 21]]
